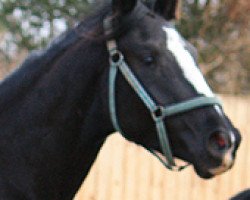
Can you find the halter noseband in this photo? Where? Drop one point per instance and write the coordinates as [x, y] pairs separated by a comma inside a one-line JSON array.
[[158, 113]]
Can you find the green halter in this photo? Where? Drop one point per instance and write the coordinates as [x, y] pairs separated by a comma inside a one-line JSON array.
[[158, 112]]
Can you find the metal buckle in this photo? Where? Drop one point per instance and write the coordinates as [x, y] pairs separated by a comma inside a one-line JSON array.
[[116, 57], [157, 114]]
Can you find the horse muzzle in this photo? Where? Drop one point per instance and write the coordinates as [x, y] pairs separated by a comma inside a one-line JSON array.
[[223, 147]]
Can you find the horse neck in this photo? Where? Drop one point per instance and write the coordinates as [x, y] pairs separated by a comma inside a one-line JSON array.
[[62, 121], [88, 93]]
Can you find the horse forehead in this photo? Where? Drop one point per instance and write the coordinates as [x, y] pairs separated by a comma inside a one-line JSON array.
[[177, 46]]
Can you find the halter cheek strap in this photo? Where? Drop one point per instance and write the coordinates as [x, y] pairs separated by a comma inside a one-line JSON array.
[[158, 113]]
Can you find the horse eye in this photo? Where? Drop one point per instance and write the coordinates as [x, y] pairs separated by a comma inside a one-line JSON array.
[[149, 60]]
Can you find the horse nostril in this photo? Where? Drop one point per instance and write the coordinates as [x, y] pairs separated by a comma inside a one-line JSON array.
[[219, 141]]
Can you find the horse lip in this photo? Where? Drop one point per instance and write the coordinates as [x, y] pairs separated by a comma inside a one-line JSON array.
[[218, 170], [202, 173], [221, 169], [205, 175], [226, 164]]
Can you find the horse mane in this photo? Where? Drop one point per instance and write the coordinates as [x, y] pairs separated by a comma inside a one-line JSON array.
[[40, 62], [34, 66]]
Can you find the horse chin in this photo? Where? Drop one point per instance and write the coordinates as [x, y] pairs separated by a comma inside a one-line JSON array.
[[203, 173], [224, 166], [180, 162]]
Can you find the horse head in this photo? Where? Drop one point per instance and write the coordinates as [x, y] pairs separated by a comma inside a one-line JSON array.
[[144, 44]]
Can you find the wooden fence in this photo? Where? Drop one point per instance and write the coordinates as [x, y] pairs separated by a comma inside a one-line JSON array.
[[124, 171]]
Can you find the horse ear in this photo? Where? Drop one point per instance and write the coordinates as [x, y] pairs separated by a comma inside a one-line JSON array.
[[123, 6], [166, 8]]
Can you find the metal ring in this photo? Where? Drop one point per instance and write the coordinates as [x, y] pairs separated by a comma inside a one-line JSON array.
[[116, 57], [157, 114]]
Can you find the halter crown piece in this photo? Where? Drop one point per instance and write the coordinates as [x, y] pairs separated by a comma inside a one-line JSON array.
[[158, 113]]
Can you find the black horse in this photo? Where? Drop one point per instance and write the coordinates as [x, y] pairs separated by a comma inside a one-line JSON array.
[[243, 195], [54, 110]]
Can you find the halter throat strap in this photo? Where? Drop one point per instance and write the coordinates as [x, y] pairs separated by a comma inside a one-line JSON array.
[[158, 113]]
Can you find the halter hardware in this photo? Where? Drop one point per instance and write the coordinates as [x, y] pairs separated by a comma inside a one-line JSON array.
[[158, 113], [116, 57]]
